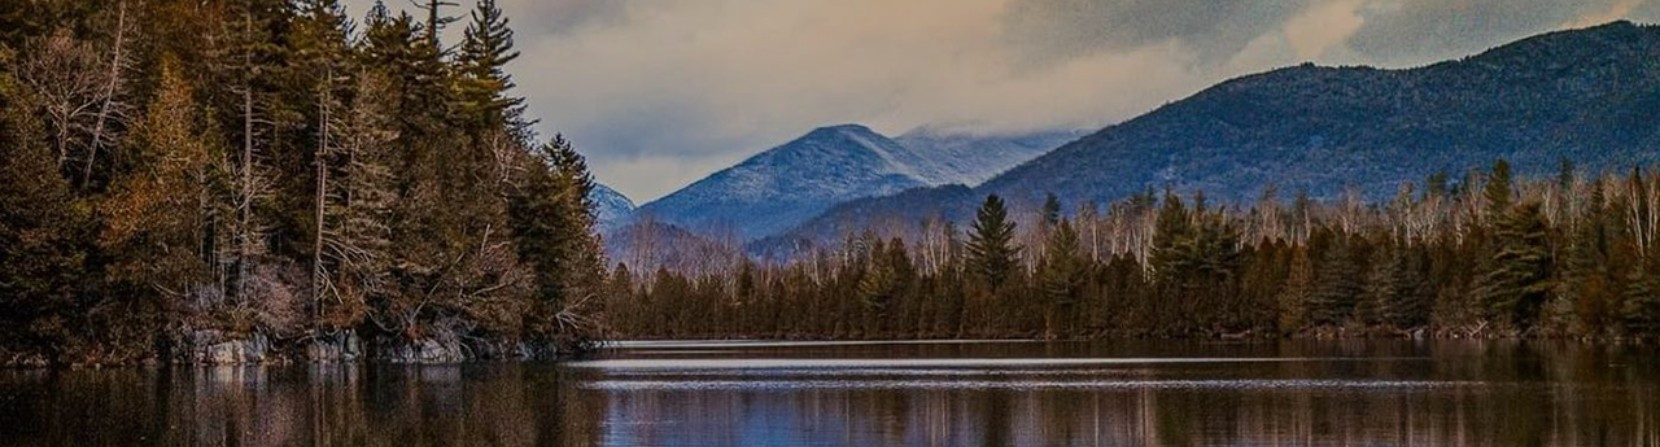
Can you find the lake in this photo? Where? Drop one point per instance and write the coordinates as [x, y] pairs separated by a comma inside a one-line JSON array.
[[959, 393]]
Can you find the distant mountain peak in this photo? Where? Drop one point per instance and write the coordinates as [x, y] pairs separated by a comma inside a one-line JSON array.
[[840, 129], [1590, 95], [611, 208], [787, 184], [1587, 94]]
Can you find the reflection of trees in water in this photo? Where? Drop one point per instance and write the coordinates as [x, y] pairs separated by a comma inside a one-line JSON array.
[[1458, 416], [1538, 394], [508, 405]]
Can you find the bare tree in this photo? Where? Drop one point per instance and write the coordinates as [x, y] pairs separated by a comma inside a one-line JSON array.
[[63, 72], [110, 107]]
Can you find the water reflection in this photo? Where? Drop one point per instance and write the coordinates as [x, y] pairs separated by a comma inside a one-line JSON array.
[[688, 394]]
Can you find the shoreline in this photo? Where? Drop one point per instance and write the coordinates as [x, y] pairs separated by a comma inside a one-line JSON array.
[[527, 353]]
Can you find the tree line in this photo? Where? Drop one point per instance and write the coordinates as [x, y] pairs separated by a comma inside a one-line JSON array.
[[1483, 256], [174, 168]]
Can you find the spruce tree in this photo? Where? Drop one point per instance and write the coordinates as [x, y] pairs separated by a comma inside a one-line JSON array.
[[1519, 281], [1051, 212], [1498, 190], [486, 49], [1397, 293], [1298, 293], [1173, 239], [991, 250], [1338, 285], [40, 259], [552, 222], [1640, 309], [1062, 274]]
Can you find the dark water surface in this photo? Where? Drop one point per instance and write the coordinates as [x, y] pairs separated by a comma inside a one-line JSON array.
[[875, 394]]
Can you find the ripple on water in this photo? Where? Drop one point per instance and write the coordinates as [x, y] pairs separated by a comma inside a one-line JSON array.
[[1242, 385]]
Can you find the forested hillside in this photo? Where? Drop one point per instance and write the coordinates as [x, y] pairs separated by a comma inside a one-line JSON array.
[[1566, 256], [1589, 95], [242, 180]]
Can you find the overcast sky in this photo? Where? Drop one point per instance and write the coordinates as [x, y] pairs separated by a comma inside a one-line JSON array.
[[659, 93]]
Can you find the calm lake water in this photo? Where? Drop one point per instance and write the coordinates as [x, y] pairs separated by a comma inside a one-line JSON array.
[[880, 394]]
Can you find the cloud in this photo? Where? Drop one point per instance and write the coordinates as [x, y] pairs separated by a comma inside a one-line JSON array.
[[661, 93], [721, 80], [1049, 29], [1411, 32]]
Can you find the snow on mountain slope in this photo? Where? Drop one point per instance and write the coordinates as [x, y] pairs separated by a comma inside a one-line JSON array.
[[611, 208], [789, 184], [943, 157], [785, 185]]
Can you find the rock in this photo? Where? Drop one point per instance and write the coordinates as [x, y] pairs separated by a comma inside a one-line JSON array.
[[427, 351], [211, 346], [344, 346]]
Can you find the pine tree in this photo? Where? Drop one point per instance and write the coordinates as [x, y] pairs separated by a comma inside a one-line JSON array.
[[1519, 281], [885, 280], [991, 250], [1062, 275], [1498, 190], [1051, 211], [1298, 294], [1640, 310], [1338, 285], [40, 261], [1397, 293], [552, 223], [356, 231], [1172, 241], [486, 49]]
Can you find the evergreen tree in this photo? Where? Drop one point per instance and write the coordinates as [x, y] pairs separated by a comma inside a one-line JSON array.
[[1173, 239], [991, 250], [1298, 294], [40, 260], [356, 231], [1397, 293], [1338, 285], [885, 280], [1498, 190], [552, 223], [1051, 212], [486, 49], [1062, 275], [1640, 310], [1519, 281]]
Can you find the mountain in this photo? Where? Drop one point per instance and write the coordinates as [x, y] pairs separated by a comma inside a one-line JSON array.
[[784, 186], [895, 215], [611, 208], [968, 158], [1591, 96]]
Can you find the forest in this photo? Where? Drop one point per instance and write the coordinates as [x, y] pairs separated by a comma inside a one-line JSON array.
[[183, 177], [179, 176], [1484, 256]]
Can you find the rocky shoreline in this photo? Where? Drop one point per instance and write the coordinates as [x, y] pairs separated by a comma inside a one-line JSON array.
[[215, 347]]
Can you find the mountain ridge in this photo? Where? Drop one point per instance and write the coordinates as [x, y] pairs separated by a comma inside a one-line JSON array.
[[787, 184], [1589, 95]]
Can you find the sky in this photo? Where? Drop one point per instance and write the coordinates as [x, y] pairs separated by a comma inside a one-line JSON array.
[[660, 93]]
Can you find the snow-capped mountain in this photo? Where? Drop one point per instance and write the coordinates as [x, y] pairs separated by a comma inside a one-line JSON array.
[[611, 208], [786, 185], [969, 158], [1586, 95]]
